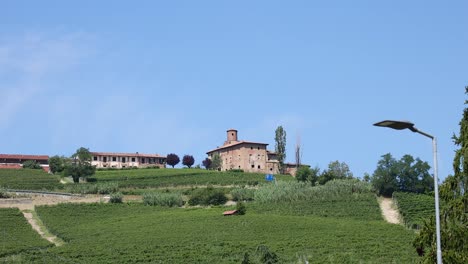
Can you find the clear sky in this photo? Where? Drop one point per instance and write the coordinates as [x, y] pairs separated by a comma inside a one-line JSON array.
[[173, 76]]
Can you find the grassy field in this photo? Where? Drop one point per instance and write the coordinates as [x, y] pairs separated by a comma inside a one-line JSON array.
[[16, 235], [415, 208], [156, 178], [28, 179], [110, 233]]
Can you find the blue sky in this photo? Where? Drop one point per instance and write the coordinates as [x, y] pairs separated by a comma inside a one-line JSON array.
[[173, 76]]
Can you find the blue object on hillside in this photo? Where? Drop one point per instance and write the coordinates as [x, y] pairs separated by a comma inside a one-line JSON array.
[[269, 177]]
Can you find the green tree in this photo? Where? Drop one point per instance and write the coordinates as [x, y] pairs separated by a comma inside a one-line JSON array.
[[57, 164], [307, 174], [216, 162], [303, 173], [280, 146], [454, 213], [384, 178], [414, 176], [31, 164], [79, 165], [406, 175], [336, 170]]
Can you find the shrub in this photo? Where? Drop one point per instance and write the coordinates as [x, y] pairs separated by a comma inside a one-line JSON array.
[[82, 188], [3, 193], [241, 209], [207, 196], [31, 164], [116, 197], [163, 199], [242, 194], [107, 187]]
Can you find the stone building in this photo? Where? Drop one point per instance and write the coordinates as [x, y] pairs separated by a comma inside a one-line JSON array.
[[127, 160], [245, 155]]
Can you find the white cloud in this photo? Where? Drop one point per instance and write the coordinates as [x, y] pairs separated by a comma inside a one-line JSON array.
[[27, 61]]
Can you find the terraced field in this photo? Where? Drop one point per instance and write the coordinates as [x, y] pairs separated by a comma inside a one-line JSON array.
[[28, 179], [109, 233], [414, 208], [155, 178], [16, 235]]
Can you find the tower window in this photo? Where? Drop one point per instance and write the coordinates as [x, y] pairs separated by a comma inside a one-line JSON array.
[[258, 166], [253, 166]]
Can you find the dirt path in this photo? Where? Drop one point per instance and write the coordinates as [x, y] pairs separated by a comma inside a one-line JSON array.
[[27, 206], [34, 222], [389, 212]]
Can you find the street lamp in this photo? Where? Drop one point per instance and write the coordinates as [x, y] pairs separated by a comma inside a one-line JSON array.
[[400, 125]]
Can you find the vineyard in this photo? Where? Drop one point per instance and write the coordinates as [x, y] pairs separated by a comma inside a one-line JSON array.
[[415, 208], [156, 178], [16, 234], [110, 233], [330, 200], [28, 179]]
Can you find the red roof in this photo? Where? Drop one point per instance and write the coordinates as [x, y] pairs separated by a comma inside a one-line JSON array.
[[10, 166], [237, 143], [24, 157], [232, 212], [115, 154]]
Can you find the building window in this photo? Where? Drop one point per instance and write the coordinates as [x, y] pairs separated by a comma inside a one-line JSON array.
[[104, 159], [133, 159], [253, 166], [251, 147], [258, 148], [271, 169], [143, 160], [114, 158], [123, 160], [95, 158], [258, 166]]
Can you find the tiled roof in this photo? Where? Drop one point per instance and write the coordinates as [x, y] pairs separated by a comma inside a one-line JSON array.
[[115, 154], [235, 144], [24, 157]]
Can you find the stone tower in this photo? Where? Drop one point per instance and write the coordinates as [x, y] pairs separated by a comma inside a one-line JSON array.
[[231, 136]]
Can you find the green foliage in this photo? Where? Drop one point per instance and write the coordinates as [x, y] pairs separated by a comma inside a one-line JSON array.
[[336, 171], [242, 194], [3, 193], [31, 164], [156, 178], [57, 163], [414, 208], [28, 179], [116, 197], [91, 188], [306, 174], [338, 198], [16, 235], [266, 255], [163, 199], [80, 165], [280, 146], [216, 162], [241, 208], [406, 175], [454, 214], [134, 233], [207, 196]]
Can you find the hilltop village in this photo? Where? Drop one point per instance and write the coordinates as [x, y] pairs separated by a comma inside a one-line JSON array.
[[234, 154]]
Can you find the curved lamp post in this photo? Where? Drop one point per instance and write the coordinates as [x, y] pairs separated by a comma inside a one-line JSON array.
[[400, 125]]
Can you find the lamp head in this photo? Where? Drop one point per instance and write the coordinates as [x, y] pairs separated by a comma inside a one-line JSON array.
[[398, 125]]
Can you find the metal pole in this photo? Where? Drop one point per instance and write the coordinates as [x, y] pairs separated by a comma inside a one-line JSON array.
[[436, 194]]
